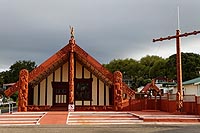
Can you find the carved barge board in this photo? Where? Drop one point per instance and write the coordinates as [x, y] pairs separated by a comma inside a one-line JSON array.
[[55, 61]]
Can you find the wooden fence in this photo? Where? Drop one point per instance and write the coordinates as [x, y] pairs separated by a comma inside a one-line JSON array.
[[167, 102]]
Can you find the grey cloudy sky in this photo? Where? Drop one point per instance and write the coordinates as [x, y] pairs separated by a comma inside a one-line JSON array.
[[106, 29]]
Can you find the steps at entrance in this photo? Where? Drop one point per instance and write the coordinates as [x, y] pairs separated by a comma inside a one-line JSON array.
[[80, 118], [171, 118], [21, 118]]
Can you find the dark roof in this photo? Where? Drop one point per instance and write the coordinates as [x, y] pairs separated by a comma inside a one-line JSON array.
[[192, 81]]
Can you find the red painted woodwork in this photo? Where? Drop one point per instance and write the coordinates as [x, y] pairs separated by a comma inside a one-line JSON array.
[[23, 91], [118, 90], [198, 109], [190, 107], [61, 57], [38, 108], [150, 86], [127, 90], [54, 62], [94, 108], [11, 90], [164, 106], [133, 104], [45, 69], [179, 96], [71, 71]]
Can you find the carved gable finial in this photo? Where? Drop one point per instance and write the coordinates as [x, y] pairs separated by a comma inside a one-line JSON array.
[[72, 31], [72, 40]]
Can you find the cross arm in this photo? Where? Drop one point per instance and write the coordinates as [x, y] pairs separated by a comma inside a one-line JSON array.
[[176, 36]]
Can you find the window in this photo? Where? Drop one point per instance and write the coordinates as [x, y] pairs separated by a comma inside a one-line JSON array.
[[83, 89]]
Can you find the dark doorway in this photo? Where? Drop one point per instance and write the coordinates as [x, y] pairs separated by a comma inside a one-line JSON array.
[[60, 93]]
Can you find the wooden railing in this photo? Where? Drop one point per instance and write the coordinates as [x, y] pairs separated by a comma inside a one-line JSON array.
[[198, 99], [133, 104], [127, 90]]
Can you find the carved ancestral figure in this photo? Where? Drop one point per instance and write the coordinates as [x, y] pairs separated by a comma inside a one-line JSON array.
[[72, 40], [118, 90], [23, 90], [72, 31]]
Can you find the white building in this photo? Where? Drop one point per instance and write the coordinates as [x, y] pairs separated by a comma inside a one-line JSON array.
[[190, 87]]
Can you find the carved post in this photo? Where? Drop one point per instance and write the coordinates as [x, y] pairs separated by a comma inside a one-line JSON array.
[[118, 90], [71, 71], [179, 98], [23, 90]]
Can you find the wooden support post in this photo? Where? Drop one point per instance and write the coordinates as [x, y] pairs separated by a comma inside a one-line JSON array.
[[71, 70]]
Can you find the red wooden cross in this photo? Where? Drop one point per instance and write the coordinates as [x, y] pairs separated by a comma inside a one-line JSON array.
[[179, 94]]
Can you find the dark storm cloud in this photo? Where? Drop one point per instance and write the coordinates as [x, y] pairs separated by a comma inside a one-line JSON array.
[[107, 29]]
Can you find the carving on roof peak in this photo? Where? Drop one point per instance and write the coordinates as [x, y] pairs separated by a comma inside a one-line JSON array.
[[72, 31], [72, 40]]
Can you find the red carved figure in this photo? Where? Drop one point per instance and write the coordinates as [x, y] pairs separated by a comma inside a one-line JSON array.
[[23, 90], [118, 90]]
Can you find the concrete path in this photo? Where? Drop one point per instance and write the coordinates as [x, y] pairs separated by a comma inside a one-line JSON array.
[[57, 117]]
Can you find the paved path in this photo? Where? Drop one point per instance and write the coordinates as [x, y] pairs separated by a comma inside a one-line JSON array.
[[58, 117]]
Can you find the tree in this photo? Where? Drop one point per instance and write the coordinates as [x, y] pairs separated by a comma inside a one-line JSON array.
[[158, 69], [126, 66], [148, 62], [12, 75], [130, 68], [149, 67], [190, 65]]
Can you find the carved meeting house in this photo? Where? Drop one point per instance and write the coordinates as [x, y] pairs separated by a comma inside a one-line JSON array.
[[70, 76]]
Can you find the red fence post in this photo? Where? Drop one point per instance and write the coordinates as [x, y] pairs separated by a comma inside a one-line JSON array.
[[130, 106], [196, 106], [167, 102]]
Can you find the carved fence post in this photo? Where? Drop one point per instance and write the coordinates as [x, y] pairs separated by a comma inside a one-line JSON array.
[[118, 90], [23, 90]]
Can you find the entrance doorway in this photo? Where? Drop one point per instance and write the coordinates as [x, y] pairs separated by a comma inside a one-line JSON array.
[[60, 94]]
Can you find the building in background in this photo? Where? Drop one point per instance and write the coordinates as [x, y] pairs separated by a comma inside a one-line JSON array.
[[190, 87]]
